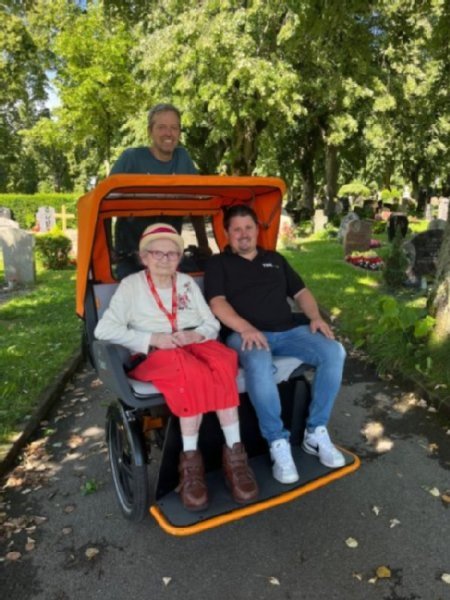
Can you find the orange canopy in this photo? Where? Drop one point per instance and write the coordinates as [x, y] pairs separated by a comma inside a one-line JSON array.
[[153, 195]]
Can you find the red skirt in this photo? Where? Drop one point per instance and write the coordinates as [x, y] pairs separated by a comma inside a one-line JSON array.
[[194, 379]]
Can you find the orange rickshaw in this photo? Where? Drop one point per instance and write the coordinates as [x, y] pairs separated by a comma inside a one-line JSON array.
[[143, 437]]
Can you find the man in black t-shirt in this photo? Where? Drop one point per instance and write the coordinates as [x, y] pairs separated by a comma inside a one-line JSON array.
[[247, 289]]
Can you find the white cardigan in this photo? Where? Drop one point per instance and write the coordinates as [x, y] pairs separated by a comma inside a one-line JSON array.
[[133, 314]]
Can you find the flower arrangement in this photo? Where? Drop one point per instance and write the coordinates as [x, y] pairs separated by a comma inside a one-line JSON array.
[[288, 236], [366, 260]]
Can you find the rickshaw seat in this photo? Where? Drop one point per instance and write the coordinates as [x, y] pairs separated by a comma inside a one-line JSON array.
[[111, 358]]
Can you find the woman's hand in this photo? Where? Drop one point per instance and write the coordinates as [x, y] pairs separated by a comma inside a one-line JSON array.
[[163, 341], [183, 338]]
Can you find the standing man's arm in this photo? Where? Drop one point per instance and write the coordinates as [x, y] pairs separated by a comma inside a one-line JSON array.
[[307, 304]]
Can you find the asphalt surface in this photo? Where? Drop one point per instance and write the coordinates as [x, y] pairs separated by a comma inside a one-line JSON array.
[[63, 536]]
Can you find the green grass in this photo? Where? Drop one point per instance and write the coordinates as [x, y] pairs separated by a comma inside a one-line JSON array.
[[40, 332], [352, 296]]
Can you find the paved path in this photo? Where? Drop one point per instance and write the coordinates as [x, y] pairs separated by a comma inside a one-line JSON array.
[[76, 546]]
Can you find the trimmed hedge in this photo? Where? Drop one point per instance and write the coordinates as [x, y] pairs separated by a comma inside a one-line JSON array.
[[25, 206]]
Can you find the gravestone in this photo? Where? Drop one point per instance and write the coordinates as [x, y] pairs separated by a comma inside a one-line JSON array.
[[357, 237], [436, 224], [5, 212], [6, 222], [18, 258], [423, 251], [397, 220], [370, 208], [428, 212], [351, 216], [319, 220], [443, 209], [46, 218]]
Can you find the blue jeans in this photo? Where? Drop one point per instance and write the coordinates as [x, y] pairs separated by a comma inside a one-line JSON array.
[[326, 355]]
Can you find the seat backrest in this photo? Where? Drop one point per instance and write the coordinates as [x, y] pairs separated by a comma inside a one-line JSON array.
[[103, 292]]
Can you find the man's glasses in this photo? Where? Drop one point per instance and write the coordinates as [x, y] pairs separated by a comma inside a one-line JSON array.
[[158, 255]]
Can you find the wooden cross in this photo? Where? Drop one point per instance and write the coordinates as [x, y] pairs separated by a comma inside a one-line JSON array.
[[63, 215]]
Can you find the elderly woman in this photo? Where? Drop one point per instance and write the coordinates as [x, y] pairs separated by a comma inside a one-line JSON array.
[[162, 315]]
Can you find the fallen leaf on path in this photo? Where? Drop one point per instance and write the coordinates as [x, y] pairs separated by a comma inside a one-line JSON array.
[[91, 553], [274, 581], [445, 577], [75, 441], [446, 497], [166, 580], [30, 545], [357, 576], [376, 510], [66, 530], [69, 508], [394, 523], [372, 580], [422, 404], [435, 492], [433, 448], [13, 556], [351, 542], [383, 572], [432, 409]]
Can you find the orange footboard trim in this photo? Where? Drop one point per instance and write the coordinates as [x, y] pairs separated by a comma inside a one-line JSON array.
[[253, 509]]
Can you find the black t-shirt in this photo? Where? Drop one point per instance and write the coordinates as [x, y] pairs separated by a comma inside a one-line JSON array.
[[257, 289]]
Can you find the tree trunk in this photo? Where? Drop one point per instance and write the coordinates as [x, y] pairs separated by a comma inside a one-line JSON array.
[[332, 171], [439, 301], [415, 192]]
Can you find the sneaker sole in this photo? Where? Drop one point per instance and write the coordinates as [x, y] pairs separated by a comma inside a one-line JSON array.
[[314, 452]]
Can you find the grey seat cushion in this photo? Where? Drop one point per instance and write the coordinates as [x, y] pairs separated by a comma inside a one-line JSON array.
[[283, 367]]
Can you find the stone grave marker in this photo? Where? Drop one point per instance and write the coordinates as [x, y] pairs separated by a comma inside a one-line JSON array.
[[397, 220], [423, 251], [46, 218], [18, 257], [428, 212], [436, 224], [357, 237], [351, 216], [443, 209], [5, 212], [319, 220]]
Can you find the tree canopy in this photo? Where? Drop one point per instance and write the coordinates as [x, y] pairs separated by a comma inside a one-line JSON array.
[[320, 93]]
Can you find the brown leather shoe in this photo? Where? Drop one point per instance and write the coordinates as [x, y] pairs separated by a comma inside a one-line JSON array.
[[192, 486], [238, 474]]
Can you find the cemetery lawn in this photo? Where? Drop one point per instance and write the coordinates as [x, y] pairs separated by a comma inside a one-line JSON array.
[[352, 296], [40, 332]]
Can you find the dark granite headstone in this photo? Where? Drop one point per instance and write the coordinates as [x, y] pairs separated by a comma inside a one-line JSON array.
[[357, 237], [397, 220], [427, 246]]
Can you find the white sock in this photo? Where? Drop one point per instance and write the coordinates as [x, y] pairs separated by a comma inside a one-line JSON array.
[[189, 442], [232, 434]]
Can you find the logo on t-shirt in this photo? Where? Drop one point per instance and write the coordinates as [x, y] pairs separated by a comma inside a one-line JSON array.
[[270, 266]]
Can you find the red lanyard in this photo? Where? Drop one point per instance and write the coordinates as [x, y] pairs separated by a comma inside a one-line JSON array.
[[172, 316]]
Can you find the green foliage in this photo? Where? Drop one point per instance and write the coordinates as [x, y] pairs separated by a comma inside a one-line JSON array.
[[355, 188], [396, 330], [395, 263], [90, 486], [54, 248], [25, 206], [391, 195], [379, 227]]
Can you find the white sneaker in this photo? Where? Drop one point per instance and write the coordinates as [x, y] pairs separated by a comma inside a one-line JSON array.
[[283, 468], [318, 443]]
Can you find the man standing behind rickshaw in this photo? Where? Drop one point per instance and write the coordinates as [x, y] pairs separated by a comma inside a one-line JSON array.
[[163, 157]]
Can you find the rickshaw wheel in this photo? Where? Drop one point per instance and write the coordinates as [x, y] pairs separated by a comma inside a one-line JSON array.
[[128, 464]]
